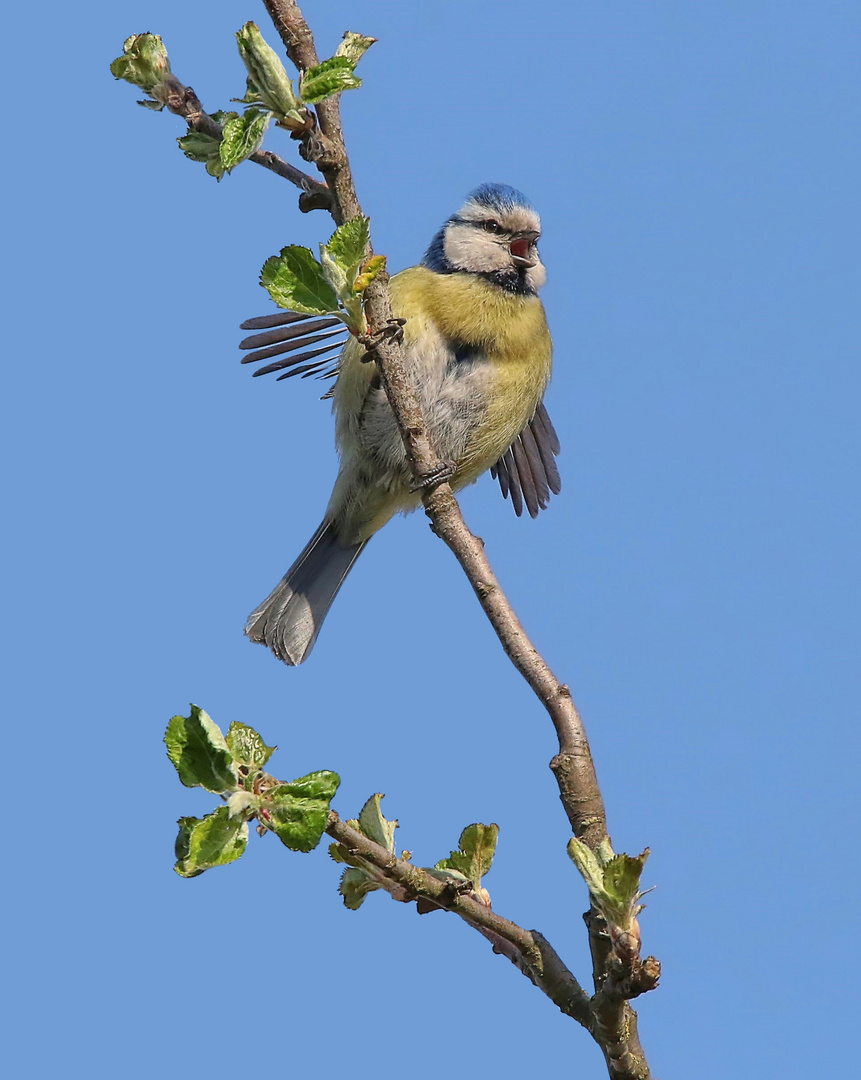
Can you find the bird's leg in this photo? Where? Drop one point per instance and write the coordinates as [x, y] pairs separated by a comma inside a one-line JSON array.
[[440, 475], [392, 331]]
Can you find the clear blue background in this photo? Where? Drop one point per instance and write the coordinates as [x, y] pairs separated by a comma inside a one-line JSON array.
[[696, 167]]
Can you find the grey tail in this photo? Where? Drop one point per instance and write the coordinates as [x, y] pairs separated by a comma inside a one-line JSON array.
[[290, 617]]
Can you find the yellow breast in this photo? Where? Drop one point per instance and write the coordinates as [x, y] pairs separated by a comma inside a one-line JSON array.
[[510, 330]]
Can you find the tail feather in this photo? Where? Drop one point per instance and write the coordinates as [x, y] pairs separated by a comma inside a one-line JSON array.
[[289, 619]]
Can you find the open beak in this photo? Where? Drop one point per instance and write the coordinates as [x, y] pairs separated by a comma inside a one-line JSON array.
[[523, 251]]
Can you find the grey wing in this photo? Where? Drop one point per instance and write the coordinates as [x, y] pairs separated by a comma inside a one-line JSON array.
[[527, 470], [289, 336]]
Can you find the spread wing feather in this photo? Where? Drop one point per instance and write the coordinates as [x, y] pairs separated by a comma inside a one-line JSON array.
[[527, 471], [286, 332]]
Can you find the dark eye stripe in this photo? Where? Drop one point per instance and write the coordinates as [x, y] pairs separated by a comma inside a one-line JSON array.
[[486, 225]]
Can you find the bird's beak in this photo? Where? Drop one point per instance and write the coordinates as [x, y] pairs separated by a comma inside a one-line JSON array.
[[523, 250]]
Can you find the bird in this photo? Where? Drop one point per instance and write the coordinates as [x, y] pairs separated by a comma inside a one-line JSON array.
[[478, 350]]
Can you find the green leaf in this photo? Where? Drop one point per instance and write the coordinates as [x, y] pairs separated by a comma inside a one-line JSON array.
[[295, 280], [354, 46], [297, 813], [214, 840], [474, 857], [622, 878], [373, 824], [328, 78], [348, 243], [247, 747], [252, 94], [267, 75], [338, 853], [199, 146], [183, 837], [243, 804], [355, 885], [341, 259], [144, 62], [197, 748], [334, 274], [215, 168], [242, 136], [337, 73], [587, 862], [363, 877], [613, 881]]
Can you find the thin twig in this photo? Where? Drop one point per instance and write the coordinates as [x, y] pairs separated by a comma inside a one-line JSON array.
[[527, 949], [183, 101]]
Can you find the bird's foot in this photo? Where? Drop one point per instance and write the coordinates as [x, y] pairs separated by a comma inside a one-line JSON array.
[[392, 331], [440, 475]]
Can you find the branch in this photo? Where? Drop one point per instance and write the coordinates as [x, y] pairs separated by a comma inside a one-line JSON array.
[[573, 766], [615, 1026], [526, 949]]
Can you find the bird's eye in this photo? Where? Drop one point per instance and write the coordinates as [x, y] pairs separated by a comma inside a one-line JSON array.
[[492, 226]]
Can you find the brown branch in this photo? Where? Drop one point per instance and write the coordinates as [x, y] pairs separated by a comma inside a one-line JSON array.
[[526, 949], [615, 1026], [573, 766], [182, 101], [611, 1020]]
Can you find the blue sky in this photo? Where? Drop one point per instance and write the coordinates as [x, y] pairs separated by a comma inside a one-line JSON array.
[[696, 168]]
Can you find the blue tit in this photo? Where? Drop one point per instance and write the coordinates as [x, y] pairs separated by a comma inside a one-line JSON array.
[[478, 349]]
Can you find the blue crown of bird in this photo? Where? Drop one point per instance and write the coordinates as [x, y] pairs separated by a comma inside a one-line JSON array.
[[478, 351]]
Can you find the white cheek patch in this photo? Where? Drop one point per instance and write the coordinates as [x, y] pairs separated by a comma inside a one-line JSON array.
[[469, 248]]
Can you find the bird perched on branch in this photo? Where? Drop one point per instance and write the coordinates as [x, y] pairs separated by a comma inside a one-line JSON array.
[[478, 350]]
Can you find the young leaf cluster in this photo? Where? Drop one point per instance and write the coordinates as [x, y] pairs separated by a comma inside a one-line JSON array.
[[362, 877], [144, 62], [240, 138], [269, 93], [232, 767], [331, 286], [464, 868], [614, 885], [472, 860], [269, 83]]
